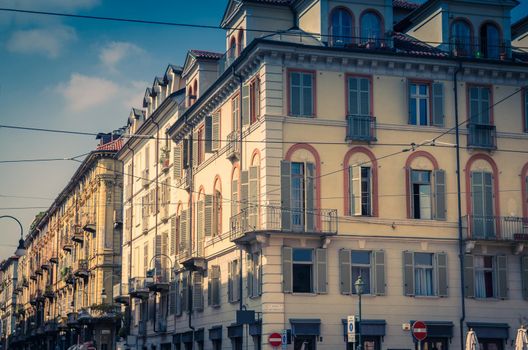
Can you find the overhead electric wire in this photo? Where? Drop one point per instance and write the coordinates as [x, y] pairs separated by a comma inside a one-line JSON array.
[[215, 27]]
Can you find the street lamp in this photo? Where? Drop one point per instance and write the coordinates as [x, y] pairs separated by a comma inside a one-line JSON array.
[[21, 249], [360, 285]]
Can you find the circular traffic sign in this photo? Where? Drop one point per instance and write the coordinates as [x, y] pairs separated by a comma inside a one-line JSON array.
[[275, 339], [419, 330]]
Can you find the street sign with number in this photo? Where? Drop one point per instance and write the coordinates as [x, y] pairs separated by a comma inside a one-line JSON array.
[[351, 329], [419, 330]]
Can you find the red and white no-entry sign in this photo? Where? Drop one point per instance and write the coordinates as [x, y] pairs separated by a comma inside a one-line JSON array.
[[275, 339], [419, 330]]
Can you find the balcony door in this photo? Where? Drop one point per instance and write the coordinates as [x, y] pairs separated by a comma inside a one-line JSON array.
[[482, 223]]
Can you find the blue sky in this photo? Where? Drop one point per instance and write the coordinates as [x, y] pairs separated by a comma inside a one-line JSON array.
[[83, 75]]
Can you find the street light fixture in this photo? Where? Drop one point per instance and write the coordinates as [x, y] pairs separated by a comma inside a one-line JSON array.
[[21, 249], [360, 288]]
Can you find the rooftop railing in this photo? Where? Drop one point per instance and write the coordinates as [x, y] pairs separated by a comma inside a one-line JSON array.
[[495, 228]]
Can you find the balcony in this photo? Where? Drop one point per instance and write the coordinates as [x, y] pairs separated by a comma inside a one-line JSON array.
[[67, 246], [160, 281], [361, 38], [78, 235], [120, 293], [145, 224], [496, 228], [164, 212], [276, 219], [89, 223], [193, 259], [80, 268], [469, 46], [361, 128], [49, 293], [233, 146], [187, 179], [165, 163], [482, 136], [39, 271], [145, 178], [138, 287]]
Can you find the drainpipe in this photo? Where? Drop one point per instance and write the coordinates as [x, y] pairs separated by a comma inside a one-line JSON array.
[[191, 203], [157, 204], [129, 308], [459, 206]]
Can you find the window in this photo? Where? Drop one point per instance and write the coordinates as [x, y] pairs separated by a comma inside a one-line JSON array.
[[235, 112], [213, 288], [461, 38], [421, 194], [231, 53], [254, 278], [484, 277], [360, 190], [419, 103], [233, 284], [304, 270], [341, 29], [371, 29], [254, 100], [359, 96], [297, 191], [490, 41], [479, 105], [217, 213], [361, 261], [302, 93], [482, 203], [423, 274]]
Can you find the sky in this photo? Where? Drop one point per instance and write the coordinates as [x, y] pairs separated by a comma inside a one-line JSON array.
[[75, 74]]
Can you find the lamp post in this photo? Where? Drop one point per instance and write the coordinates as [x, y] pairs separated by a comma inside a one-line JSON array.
[[360, 285], [21, 250]]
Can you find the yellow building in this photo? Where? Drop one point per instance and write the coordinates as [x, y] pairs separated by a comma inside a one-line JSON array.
[[73, 260], [335, 140]]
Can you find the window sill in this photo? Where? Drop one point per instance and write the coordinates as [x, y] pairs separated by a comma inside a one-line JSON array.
[[303, 294], [300, 116], [492, 299], [426, 297]]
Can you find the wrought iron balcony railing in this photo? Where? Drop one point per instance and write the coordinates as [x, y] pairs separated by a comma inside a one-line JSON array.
[[233, 145], [482, 136], [80, 268], [496, 228], [317, 221], [120, 293], [138, 287], [361, 128], [474, 47]]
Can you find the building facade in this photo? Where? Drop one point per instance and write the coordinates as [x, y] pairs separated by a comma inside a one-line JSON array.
[[334, 140], [64, 293], [8, 301]]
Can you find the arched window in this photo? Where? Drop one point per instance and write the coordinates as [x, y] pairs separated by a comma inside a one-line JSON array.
[[490, 40], [341, 27], [371, 28], [461, 38], [234, 190], [232, 48], [361, 182], [217, 207], [240, 44], [190, 96]]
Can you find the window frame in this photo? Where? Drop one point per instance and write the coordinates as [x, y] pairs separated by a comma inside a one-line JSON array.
[[235, 111], [351, 197], [413, 195], [381, 37], [483, 269], [490, 104], [483, 26], [471, 34], [350, 35], [254, 99], [429, 84], [370, 267], [425, 268], [370, 91], [313, 73], [312, 270], [201, 144]]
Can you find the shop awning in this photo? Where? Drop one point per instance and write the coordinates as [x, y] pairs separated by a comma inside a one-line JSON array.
[[368, 327], [235, 331], [305, 326], [490, 330], [215, 333], [438, 329]]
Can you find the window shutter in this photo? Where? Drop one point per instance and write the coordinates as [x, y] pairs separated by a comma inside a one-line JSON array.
[[185, 292], [200, 226], [215, 132], [286, 195], [502, 276], [178, 296], [355, 189], [345, 271], [408, 273], [438, 104], [183, 231], [185, 153], [322, 278], [210, 287], [208, 145], [310, 197], [410, 205], [253, 196], [469, 276], [258, 275], [230, 281], [195, 149], [439, 194], [409, 101], [287, 266], [197, 291], [245, 105], [441, 274], [215, 285], [250, 274], [353, 96], [524, 276], [236, 280], [177, 162], [244, 189], [172, 298], [208, 219], [379, 272], [174, 236], [234, 197]]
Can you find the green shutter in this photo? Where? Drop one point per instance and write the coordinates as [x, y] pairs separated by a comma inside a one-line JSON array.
[[286, 216], [502, 276], [215, 133], [524, 276], [197, 292], [439, 195], [379, 272], [210, 287], [195, 149], [287, 269], [441, 274], [208, 215], [157, 253], [245, 105], [409, 101], [183, 231], [469, 276], [200, 223], [234, 197], [244, 189], [230, 281], [310, 198], [408, 273], [355, 189], [174, 236], [321, 270], [253, 196], [353, 96], [216, 283], [177, 162], [438, 104], [345, 271], [250, 272], [185, 292], [208, 145]]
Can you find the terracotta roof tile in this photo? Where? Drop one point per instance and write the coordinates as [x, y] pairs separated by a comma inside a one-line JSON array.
[[111, 146], [404, 4], [408, 44], [206, 54]]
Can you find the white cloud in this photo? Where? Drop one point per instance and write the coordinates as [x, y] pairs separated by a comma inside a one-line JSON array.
[[114, 52], [46, 41], [83, 92], [133, 94]]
